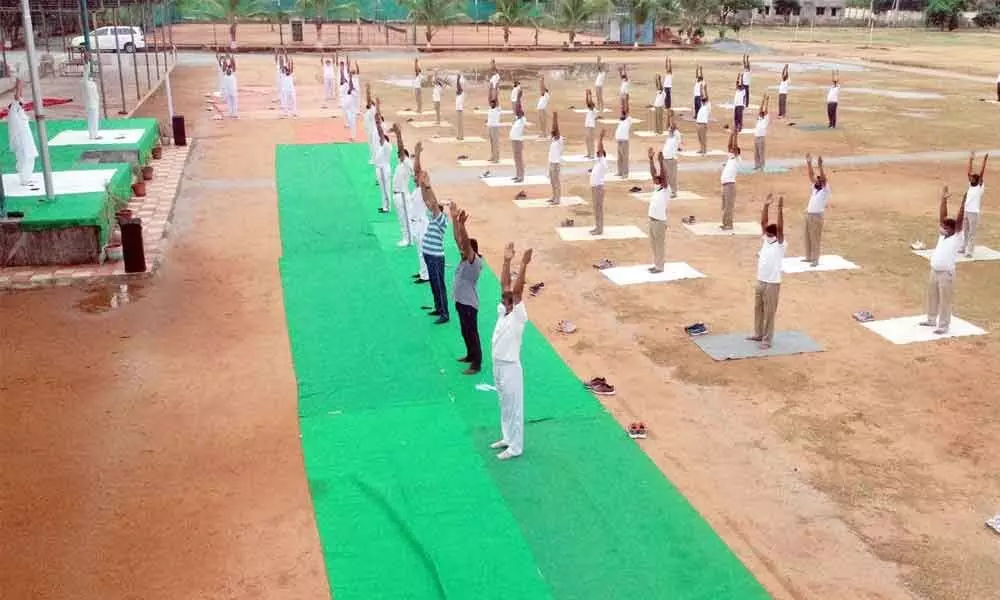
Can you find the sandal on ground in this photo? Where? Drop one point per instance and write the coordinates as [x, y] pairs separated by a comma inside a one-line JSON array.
[[565, 327], [567, 223], [521, 195], [537, 288], [604, 263], [462, 157], [637, 430], [634, 189]]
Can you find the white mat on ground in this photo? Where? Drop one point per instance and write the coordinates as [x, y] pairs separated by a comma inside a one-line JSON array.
[[648, 134], [508, 124], [63, 182], [579, 158], [469, 139], [428, 124], [694, 153], [504, 181], [980, 253], [617, 232], [583, 111], [615, 121], [676, 109], [485, 111], [632, 176], [739, 228], [78, 137], [907, 330], [682, 195], [544, 202], [640, 274], [478, 162], [413, 113], [827, 262], [747, 131]]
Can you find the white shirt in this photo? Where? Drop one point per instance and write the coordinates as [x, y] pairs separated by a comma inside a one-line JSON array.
[[460, 101], [818, 200], [622, 131], [746, 77], [946, 252], [998, 77], [556, 150], [658, 205], [834, 94], [369, 119], [418, 79], [760, 130], [599, 80], [90, 94], [697, 89], [703, 112], [514, 93], [729, 170], [417, 209], [974, 198], [494, 80], [668, 81], [327, 71], [401, 178], [436, 94], [493, 117], [543, 102], [623, 88], [598, 171], [783, 86], [382, 154], [660, 100], [590, 118], [671, 144], [508, 333], [517, 129], [739, 98], [769, 260]]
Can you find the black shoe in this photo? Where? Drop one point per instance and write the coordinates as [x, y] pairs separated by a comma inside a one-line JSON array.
[[471, 371], [418, 280], [434, 313], [465, 359], [383, 210], [441, 321]]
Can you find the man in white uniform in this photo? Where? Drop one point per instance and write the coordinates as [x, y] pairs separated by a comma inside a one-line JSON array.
[[597, 173], [494, 78], [698, 92], [22, 142], [92, 102], [745, 78], [417, 211], [401, 188], [941, 285], [493, 127], [329, 79], [369, 124], [728, 181], [589, 124], [658, 211], [351, 105], [507, 373], [624, 87], [668, 84], [819, 197], [670, 148], [418, 82], [760, 134], [286, 87], [832, 99], [659, 101], [701, 119], [459, 107], [556, 145], [602, 75], [515, 95], [783, 93], [230, 89], [383, 154], [436, 98], [542, 107], [772, 252], [517, 141], [622, 133], [973, 205]]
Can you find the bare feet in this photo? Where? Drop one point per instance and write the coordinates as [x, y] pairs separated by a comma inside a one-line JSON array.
[[764, 346], [754, 338]]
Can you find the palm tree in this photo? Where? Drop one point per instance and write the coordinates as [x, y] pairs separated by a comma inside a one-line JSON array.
[[433, 13], [510, 13], [230, 10], [641, 11], [571, 15]]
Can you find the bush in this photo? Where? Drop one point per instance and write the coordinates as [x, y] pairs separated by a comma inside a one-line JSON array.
[[987, 18]]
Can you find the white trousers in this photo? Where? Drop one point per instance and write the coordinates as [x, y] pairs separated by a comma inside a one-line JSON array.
[[418, 225], [509, 380], [352, 123], [25, 167], [232, 103], [93, 122], [289, 102], [328, 88], [399, 199], [382, 175]]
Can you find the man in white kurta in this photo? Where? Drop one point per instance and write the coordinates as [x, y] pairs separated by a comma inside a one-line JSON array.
[[507, 374], [92, 103], [229, 87], [22, 142]]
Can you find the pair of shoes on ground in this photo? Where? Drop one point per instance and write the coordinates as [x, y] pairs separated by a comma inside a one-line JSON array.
[[567, 223], [637, 430], [600, 386], [863, 316], [506, 454], [689, 220], [521, 195], [565, 326], [696, 329], [604, 263], [472, 370], [537, 288]]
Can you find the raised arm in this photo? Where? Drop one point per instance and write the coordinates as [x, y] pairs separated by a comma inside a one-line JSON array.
[[508, 256], [960, 219], [943, 208], [382, 137], [400, 148], [764, 215], [652, 165], [781, 219], [625, 107], [368, 94], [658, 83], [809, 168], [417, 166], [600, 144], [458, 85], [663, 170], [522, 276], [784, 72], [416, 66], [704, 91], [555, 125], [430, 198], [670, 66], [465, 245], [764, 101], [733, 145], [982, 169], [970, 169], [822, 173], [588, 99]]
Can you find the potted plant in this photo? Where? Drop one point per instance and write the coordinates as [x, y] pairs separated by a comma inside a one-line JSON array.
[[147, 169], [157, 152], [139, 185], [164, 135]]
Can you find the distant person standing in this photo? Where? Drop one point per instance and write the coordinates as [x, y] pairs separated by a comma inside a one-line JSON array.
[[783, 94], [701, 120], [382, 158], [459, 108], [329, 78], [515, 95], [622, 133], [21, 140], [668, 84], [739, 104], [659, 102], [973, 205], [624, 88], [760, 134], [494, 78], [769, 259], [507, 373], [417, 211], [543, 107], [819, 199], [941, 286], [433, 247], [436, 98], [556, 145], [658, 211], [418, 83], [670, 148], [832, 99], [92, 102], [602, 75], [728, 181], [230, 90], [493, 126], [401, 188], [466, 293], [589, 124], [517, 141], [745, 78], [698, 92], [597, 173]]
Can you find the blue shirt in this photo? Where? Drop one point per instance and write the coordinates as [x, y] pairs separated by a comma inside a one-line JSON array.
[[434, 237]]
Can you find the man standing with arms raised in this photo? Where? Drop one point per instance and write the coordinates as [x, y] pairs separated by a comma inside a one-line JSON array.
[[941, 286], [973, 204], [772, 252], [670, 148], [622, 132], [517, 141], [433, 247], [507, 373], [728, 181], [819, 197]]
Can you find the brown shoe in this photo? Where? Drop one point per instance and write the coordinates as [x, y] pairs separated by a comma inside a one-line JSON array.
[[602, 388]]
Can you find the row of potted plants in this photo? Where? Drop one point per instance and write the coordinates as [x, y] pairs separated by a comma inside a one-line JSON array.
[[143, 170]]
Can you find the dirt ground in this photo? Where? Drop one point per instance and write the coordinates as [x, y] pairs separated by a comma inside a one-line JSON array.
[[859, 472]]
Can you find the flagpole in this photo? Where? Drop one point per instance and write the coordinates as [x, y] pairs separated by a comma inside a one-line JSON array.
[[36, 94]]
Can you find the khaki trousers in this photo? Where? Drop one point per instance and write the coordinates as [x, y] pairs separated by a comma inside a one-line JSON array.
[[758, 152], [419, 97], [494, 144], [969, 226], [623, 158], [590, 141], [658, 119], [765, 306], [703, 137], [518, 146], [940, 290], [728, 204], [459, 125], [554, 180], [597, 194], [437, 112], [658, 241], [543, 123], [814, 235], [599, 92], [672, 175]]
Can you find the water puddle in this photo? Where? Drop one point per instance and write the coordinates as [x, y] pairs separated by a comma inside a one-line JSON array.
[[109, 297]]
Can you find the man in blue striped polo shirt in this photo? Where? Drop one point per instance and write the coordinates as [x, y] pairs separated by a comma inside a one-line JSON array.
[[433, 247]]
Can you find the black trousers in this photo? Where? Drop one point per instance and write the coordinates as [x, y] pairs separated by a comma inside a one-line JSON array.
[[998, 92], [697, 105], [831, 113], [666, 99], [746, 99], [737, 119], [468, 318]]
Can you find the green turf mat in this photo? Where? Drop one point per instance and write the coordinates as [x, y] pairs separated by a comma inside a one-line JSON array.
[[395, 439]]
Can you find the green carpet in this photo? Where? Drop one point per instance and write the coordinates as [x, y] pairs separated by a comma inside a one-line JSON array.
[[409, 500]]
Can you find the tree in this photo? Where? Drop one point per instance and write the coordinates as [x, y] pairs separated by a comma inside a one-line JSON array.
[[229, 10], [696, 12], [786, 7], [511, 13], [731, 7], [571, 15], [432, 14], [944, 13], [641, 12]]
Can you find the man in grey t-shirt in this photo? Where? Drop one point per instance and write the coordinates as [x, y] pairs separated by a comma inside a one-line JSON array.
[[466, 295]]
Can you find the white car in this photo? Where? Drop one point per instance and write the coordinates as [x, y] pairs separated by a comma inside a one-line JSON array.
[[129, 39]]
